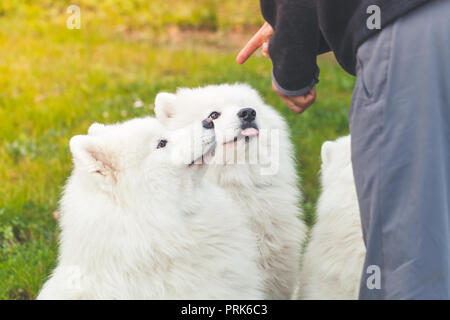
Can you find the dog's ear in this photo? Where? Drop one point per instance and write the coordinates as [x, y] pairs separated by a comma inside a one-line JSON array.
[[90, 155], [164, 106], [326, 152], [96, 128]]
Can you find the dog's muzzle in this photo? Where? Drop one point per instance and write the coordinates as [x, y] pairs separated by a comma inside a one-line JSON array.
[[248, 125]]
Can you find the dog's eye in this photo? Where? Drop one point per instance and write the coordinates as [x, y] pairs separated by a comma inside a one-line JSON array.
[[161, 144], [214, 115]]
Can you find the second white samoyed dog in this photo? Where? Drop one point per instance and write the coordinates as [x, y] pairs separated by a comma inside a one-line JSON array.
[[254, 162], [334, 258], [138, 223]]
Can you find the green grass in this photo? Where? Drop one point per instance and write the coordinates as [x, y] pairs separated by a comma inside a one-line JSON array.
[[55, 82]]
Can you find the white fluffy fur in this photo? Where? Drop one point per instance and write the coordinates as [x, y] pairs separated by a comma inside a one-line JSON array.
[[333, 261], [138, 223], [269, 201]]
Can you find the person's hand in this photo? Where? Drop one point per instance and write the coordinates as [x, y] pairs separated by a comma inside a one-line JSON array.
[[298, 104], [261, 38]]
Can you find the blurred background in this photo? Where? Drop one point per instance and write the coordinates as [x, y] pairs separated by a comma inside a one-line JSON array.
[[56, 81]]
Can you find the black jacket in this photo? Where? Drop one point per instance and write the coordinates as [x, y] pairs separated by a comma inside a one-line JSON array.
[[306, 28]]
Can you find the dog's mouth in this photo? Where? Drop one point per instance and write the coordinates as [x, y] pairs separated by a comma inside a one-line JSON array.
[[209, 149], [248, 130]]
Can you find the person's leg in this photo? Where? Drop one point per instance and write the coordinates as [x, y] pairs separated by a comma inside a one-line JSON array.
[[400, 127]]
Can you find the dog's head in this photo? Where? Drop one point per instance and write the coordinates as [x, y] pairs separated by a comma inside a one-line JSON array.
[[336, 163], [240, 118], [135, 158]]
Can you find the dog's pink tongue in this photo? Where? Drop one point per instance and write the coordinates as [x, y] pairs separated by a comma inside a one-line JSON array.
[[249, 132]]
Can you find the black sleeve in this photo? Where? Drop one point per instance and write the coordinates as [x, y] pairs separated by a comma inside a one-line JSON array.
[[294, 45]]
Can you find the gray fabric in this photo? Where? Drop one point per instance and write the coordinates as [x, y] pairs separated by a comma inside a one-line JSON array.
[[400, 127]]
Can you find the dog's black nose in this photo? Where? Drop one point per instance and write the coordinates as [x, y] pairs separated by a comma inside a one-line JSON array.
[[247, 114], [208, 124]]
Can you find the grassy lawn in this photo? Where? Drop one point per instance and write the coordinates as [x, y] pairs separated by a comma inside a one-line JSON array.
[[54, 82]]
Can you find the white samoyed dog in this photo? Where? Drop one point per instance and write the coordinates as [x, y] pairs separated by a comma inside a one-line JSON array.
[[139, 222], [254, 162], [334, 258]]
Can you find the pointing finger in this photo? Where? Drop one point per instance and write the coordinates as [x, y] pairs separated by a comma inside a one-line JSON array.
[[249, 48], [263, 35]]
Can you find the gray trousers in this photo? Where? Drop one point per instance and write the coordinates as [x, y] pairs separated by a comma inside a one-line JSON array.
[[400, 127]]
